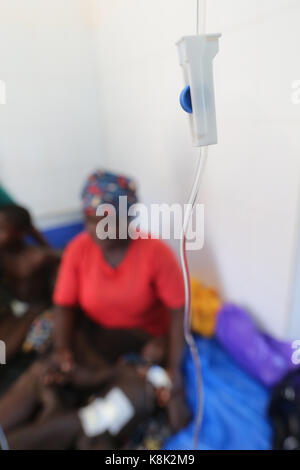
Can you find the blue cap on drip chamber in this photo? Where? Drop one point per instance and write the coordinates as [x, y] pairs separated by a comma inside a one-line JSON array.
[[186, 100]]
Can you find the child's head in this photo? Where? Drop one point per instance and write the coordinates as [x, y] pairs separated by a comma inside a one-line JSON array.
[[15, 223]]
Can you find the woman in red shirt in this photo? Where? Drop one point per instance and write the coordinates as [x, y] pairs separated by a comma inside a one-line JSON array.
[[130, 290]]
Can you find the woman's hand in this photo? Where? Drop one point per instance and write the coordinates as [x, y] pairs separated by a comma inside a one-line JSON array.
[[154, 350], [64, 359], [59, 367]]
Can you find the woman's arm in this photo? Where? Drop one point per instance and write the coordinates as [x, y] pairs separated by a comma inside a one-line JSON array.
[[169, 351], [178, 412], [63, 329], [176, 346]]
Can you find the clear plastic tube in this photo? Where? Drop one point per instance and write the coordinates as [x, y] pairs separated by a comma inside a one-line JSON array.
[[203, 17], [187, 288]]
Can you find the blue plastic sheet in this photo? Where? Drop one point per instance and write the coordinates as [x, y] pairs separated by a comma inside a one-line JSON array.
[[235, 404]]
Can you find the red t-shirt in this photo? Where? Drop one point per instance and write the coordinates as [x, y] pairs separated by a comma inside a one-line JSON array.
[[137, 294]]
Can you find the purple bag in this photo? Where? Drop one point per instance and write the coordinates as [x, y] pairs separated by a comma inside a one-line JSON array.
[[258, 353]]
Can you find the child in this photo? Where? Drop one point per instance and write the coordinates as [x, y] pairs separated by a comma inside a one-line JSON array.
[[26, 278], [127, 396]]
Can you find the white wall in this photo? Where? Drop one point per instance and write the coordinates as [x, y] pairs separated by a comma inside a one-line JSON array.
[[252, 180], [50, 128]]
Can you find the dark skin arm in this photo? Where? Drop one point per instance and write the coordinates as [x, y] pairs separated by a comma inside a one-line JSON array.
[[176, 346], [178, 412], [63, 329], [155, 350], [62, 363], [174, 399]]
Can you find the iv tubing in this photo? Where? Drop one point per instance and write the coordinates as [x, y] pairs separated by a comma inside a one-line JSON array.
[[187, 288], [188, 335]]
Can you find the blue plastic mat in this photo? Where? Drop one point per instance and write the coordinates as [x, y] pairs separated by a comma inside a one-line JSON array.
[[59, 237], [235, 405]]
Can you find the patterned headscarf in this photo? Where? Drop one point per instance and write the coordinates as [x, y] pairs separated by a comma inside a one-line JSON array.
[[105, 188]]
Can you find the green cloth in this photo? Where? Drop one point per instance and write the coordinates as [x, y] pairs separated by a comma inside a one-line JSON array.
[[5, 198], [5, 297]]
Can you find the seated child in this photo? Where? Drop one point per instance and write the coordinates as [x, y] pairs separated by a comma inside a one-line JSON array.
[[26, 278], [128, 394], [42, 408]]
